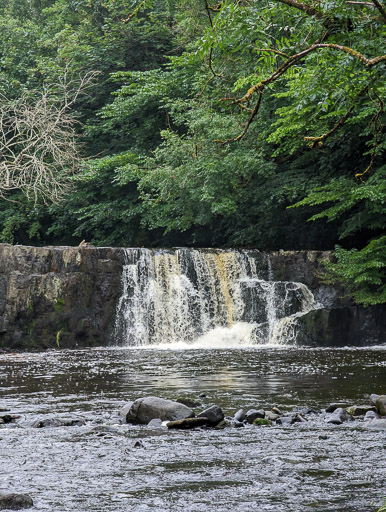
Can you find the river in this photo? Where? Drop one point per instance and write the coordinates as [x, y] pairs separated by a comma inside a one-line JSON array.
[[104, 465]]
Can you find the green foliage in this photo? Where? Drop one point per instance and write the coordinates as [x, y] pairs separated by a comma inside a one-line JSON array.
[[178, 150]]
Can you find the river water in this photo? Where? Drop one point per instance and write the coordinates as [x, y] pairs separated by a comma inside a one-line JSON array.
[[106, 466]]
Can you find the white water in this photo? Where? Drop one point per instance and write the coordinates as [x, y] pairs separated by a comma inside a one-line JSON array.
[[191, 298]]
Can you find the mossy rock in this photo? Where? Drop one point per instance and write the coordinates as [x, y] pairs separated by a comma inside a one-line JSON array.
[[260, 422]]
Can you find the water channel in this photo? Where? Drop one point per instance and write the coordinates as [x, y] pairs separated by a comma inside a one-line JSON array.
[[103, 465]]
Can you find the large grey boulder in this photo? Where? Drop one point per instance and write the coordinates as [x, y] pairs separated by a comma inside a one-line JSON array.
[[360, 410], [143, 410], [15, 501], [380, 404]]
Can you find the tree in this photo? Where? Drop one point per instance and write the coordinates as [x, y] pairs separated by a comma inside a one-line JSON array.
[[38, 140]]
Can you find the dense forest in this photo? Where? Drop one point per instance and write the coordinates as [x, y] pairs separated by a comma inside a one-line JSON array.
[[248, 123]]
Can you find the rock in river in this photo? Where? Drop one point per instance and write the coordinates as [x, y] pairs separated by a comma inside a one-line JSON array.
[[188, 423], [213, 413], [146, 409], [15, 501], [339, 416], [381, 405]]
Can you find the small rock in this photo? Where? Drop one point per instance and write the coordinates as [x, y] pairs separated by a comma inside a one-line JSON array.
[[156, 422], [253, 414], [323, 437], [202, 395], [271, 415], [360, 410], [380, 404], [237, 424], [371, 415], [240, 415], [144, 410], [332, 407], [339, 416], [276, 411], [138, 444], [214, 414], [223, 424], [15, 501], [373, 398], [188, 423]]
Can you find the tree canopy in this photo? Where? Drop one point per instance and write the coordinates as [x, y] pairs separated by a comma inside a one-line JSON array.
[[249, 123]]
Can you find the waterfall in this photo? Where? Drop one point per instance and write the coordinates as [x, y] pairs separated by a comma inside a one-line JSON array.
[[206, 298]]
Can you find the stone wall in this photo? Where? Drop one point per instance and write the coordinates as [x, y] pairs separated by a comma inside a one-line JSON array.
[[58, 296], [66, 297]]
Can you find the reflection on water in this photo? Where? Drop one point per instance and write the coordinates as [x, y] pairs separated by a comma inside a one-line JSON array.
[[267, 469]]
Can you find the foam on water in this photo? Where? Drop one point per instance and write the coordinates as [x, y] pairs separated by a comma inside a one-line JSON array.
[[189, 298]]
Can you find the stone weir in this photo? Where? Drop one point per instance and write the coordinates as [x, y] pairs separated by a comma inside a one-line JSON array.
[[67, 297]]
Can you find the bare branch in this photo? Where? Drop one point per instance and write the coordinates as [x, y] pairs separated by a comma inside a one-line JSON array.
[[39, 145]]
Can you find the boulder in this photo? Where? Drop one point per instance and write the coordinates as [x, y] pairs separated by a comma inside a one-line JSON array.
[[360, 410], [377, 424], [15, 501], [214, 414], [373, 398], [188, 423], [253, 414], [339, 416], [380, 404], [143, 410]]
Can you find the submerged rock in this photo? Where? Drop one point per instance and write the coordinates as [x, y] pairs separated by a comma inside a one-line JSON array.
[[58, 422], [214, 414], [189, 423], [189, 402], [15, 501], [143, 410]]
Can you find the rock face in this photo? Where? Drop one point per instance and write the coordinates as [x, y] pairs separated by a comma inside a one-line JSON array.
[[66, 297], [146, 409], [381, 405], [58, 297]]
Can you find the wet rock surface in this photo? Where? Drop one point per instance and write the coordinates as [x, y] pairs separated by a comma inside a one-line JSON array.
[[66, 297], [143, 410]]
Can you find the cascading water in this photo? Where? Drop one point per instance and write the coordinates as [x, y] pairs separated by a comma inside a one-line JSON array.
[[206, 298]]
